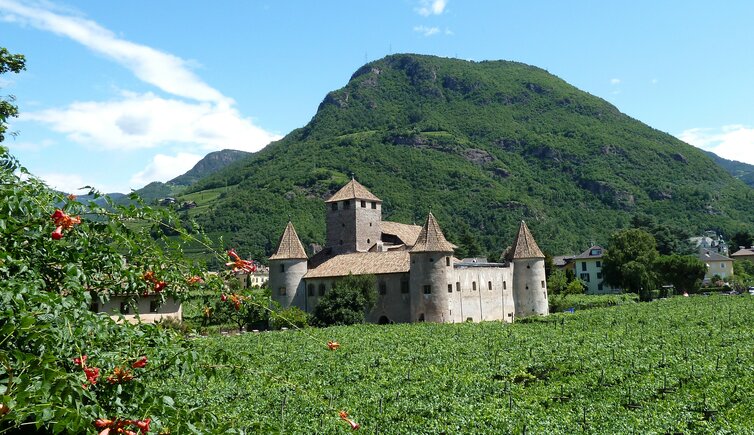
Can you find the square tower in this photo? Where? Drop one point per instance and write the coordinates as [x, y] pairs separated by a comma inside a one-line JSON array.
[[353, 219]]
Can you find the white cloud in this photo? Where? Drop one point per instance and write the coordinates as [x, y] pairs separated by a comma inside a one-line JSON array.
[[163, 70], [733, 142], [164, 168], [66, 183], [615, 81], [427, 31], [138, 121], [431, 7]]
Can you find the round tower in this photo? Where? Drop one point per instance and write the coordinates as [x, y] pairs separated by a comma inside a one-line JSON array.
[[430, 271], [288, 265], [529, 281]]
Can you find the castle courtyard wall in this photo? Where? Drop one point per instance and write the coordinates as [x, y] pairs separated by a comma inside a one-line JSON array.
[[482, 293]]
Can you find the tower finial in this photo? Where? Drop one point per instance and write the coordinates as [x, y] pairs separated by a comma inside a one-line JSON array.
[[353, 177]]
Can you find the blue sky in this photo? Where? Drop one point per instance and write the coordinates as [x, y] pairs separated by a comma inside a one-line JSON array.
[[117, 94]]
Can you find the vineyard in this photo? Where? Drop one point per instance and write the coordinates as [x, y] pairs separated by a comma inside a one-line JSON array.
[[682, 365]]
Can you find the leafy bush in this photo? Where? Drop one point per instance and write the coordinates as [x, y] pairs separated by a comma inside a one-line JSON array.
[[347, 303], [586, 302], [289, 317]]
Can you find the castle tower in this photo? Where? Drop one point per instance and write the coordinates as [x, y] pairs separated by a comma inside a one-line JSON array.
[[430, 270], [529, 282], [353, 219], [287, 270]]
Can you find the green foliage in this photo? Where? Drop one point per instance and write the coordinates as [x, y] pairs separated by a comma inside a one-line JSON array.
[[575, 287], [347, 303], [557, 282], [587, 302], [741, 238], [9, 63], [684, 272], [289, 317], [629, 262], [680, 365]]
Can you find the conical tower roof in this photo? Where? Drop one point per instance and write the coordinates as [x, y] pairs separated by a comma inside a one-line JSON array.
[[353, 190], [290, 246], [524, 246], [431, 238]]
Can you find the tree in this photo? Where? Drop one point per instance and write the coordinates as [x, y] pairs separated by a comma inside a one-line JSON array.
[[557, 282], [684, 272], [629, 262], [347, 303], [741, 238], [9, 63]]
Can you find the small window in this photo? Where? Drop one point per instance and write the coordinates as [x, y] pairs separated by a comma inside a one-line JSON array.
[[154, 306], [427, 289], [346, 205], [583, 266], [722, 265], [363, 204], [450, 288], [404, 286], [458, 286], [528, 266], [421, 317], [368, 241], [543, 284], [310, 289], [431, 260], [489, 285], [599, 275], [595, 252], [447, 261], [383, 288], [282, 291], [322, 289], [505, 285], [473, 285], [599, 264], [599, 286], [124, 308], [374, 205], [282, 267], [584, 277]]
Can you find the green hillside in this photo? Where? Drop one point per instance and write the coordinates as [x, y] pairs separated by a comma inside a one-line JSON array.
[[740, 170], [481, 144]]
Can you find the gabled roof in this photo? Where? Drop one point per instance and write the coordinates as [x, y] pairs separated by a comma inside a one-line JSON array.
[[745, 252], [353, 190], [706, 255], [290, 246], [406, 233], [524, 245], [362, 263], [431, 238], [595, 252]]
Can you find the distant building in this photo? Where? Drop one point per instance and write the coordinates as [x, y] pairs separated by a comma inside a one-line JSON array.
[[588, 268], [149, 308], [254, 279], [710, 241], [564, 262], [417, 276], [743, 254], [717, 264]]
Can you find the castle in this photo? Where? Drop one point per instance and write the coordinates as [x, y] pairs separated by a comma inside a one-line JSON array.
[[417, 277]]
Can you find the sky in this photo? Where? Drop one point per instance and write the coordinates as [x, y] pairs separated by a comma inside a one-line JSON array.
[[119, 94]]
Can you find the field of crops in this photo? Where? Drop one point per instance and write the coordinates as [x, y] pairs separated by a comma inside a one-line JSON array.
[[683, 365]]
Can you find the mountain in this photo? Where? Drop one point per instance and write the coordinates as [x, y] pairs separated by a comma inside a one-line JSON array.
[[483, 145], [210, 164], [740, 170]]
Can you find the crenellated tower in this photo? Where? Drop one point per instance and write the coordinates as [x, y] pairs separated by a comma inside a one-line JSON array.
[[529, 281], [430, 269], [288, 265], [353, 219]]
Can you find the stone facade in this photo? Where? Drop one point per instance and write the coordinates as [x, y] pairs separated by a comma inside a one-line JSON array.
[[149, 308], [417, 277]]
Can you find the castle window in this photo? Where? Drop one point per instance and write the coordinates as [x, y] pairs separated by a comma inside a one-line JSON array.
[[282, 267], [346, 205], [363, 204], [322, 289], [404, 286], [368, 241], [282, 291], [154, 306], [489, 285], [431, 260], [543, 284], [473, 285], [124, 308], [450, 288], [383, 288], [528, 266], [505, 285], [458, 286], [447, 261], [310, 289], [427, 289], [374, 205], [334, 206]]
